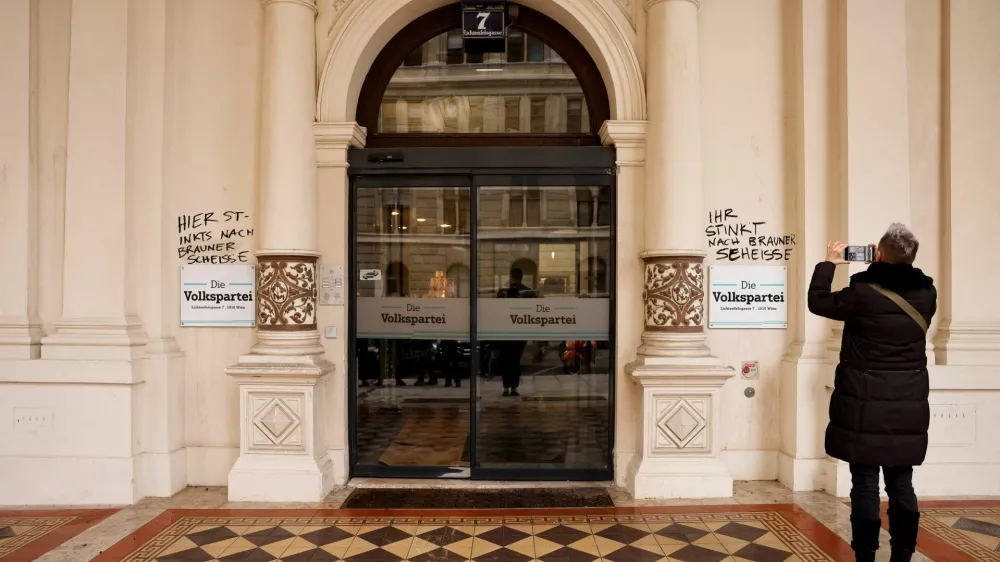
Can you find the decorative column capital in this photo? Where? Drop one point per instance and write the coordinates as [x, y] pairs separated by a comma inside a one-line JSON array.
[[308, 4], [623, 133], [629, 140], [333, 140], [286, 291], [674, 292], [651, 3]]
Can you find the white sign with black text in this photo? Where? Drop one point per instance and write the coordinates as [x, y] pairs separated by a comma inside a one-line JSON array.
[[748, 296], [217, 295]]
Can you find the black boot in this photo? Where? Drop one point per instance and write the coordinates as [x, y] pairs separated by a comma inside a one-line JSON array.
[[865, 539], [903, 529]]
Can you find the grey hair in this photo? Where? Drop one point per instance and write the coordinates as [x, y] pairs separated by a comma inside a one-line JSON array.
[[898, 244]]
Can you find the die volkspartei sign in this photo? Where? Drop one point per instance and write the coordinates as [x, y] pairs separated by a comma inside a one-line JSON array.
[[397, 318], [541, 319], [217, 295], [748, 296], [535, 319]]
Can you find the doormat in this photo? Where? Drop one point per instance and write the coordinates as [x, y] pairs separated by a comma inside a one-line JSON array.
[[440, 440], [524, 498]]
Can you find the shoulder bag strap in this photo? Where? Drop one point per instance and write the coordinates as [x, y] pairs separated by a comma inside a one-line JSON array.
[[901, 303]]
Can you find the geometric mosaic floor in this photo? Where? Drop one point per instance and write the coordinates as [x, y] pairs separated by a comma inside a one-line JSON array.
[[960, 531], [26, 535], [767, 533]]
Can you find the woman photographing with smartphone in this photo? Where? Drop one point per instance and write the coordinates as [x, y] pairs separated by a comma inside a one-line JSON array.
[[879, 413]]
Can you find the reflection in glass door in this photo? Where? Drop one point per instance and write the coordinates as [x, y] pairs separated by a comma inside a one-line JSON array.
[[527, 259], [543, 328], [412, 324]]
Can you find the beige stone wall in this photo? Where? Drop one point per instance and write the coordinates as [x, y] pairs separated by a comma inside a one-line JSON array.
[[909, 132]]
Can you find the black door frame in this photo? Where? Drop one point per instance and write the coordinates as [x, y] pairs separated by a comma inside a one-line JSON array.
[[538, 166]]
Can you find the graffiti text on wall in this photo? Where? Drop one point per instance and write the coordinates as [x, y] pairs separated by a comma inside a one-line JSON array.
[[734, 239], [213, 238]]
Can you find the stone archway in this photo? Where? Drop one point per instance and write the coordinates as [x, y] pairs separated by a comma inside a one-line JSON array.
[[365, 26]]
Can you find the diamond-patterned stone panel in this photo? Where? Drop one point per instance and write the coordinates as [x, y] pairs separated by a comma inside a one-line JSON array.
[[277, 421], [681, 423]]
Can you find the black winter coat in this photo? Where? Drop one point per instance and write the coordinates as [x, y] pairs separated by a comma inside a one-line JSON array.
[[879, 412]]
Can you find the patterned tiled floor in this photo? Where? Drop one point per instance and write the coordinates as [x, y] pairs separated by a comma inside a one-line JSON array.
[[26, 535], [762, 521], [963, 531], [775, 533]]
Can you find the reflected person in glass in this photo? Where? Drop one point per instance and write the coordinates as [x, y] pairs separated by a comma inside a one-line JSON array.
[[511, 352]]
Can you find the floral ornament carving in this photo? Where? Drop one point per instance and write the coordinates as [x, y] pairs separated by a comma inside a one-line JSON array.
[[286, 293], [674, 294]]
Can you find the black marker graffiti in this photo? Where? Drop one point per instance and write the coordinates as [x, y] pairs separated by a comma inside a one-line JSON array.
[[200, 243], [736, 240]]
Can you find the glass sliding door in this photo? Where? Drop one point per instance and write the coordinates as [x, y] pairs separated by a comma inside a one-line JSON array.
[[527, 261], [543, 325], [411, 279]]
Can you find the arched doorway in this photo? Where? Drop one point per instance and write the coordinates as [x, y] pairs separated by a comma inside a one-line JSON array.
[[485, 170]]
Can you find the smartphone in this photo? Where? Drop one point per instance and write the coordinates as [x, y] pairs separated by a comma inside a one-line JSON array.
[[861, 254]]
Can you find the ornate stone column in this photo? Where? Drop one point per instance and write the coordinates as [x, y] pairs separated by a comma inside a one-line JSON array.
[[282, 447], [680, 377], [20, 326]]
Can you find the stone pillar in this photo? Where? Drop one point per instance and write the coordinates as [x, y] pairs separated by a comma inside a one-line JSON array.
[[970, 327], [680, 377], [163, 401], [20, 326], [333, 141], [629, 140], [282, 447], [874, 186], [811, 131], [99, 319]]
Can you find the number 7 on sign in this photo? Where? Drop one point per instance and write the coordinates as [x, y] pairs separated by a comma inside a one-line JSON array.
[[483, 16]]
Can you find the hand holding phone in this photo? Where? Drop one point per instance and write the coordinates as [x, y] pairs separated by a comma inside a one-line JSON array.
[[860, 254], [835, 252]]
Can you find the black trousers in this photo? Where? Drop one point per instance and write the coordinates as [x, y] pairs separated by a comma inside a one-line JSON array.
[[511, 373], [865, 490]]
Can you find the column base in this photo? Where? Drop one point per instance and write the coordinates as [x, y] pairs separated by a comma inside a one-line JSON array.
[[968, 345], [680, 451], [280, 478], [98, 339], [801, 475], [81, 449], [304, 342], [804, 402], [837, 480], [20, 338], [282, 441], [679, 479], [164, 462]]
